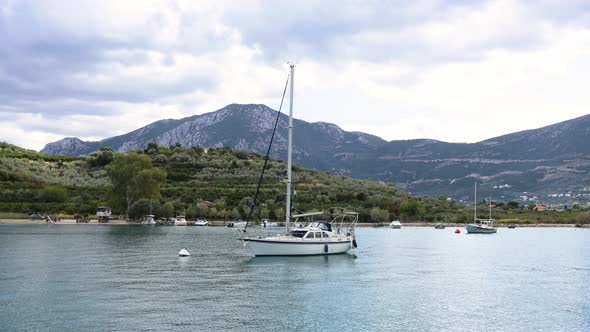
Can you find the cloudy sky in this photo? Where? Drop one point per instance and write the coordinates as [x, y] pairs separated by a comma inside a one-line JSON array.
[[459, 71]]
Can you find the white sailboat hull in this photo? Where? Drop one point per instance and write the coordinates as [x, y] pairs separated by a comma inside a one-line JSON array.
[[479, 229], [299, 247]]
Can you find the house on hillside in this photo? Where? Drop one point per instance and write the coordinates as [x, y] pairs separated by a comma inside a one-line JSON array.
[[539, 207]]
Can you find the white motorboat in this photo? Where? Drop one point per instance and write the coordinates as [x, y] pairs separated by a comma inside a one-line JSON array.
[[480, 226], [180, 221], [318, 237], [201, 222], [104, 214], [267, 224], [149, 220], [184, 252], [395, 224]]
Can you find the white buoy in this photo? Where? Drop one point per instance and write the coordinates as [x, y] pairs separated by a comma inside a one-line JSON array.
[[184, 252]]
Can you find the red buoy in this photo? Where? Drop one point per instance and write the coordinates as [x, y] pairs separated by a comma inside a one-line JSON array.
[[457, 231]]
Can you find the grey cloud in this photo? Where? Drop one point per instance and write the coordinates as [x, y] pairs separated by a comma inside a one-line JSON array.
[[318, 29], [40, 61], [330, 30]]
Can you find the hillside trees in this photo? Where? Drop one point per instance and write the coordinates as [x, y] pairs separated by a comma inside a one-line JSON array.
[[133, 177], [53, 194], [411, 208]]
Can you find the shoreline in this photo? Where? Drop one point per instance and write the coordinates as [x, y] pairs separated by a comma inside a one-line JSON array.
[[223, 223]]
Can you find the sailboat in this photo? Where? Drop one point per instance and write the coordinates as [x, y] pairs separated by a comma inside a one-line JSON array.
[[480, 226], [316, 237]]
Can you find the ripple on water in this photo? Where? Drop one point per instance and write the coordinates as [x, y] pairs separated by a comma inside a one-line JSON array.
[[86, 277]]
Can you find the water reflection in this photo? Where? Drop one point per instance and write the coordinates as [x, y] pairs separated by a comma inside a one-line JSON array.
[[307, 260]]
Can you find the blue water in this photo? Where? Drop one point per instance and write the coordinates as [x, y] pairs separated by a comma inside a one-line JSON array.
[[129, 278]]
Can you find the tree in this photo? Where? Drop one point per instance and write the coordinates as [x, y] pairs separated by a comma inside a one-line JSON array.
[[133, 177], [280, 213], [378, 214], [264, 213], [152, 147], [101, 158], [512, 205], [411, 208], [146, 184], [193, 212], [53, 194], [166, 211], [142, 207]]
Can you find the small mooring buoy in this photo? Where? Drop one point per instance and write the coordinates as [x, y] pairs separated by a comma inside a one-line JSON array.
[[184, 252], [457, 231]]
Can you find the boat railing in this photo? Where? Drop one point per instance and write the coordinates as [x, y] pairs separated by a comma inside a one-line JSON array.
[[344, 220], [489, 222]]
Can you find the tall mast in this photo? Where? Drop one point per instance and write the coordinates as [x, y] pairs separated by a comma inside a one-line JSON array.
[[289, 151], [475, 203]]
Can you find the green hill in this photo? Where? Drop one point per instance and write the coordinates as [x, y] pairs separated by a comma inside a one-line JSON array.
[[219, 183], [215, 183]]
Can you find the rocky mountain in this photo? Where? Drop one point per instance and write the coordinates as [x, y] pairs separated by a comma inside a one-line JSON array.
[[549, 164], [242, 127]]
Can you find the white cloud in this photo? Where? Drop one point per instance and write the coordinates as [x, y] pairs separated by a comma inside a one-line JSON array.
[[428, 69]]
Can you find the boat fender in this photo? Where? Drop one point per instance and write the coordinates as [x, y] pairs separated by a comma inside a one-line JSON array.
[[354, 243], [325, 248], [457, 231]]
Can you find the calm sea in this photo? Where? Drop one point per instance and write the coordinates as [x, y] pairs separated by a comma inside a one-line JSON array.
[[129, 278]]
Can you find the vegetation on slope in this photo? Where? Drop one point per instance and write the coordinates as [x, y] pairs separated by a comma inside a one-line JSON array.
[[217, 183]]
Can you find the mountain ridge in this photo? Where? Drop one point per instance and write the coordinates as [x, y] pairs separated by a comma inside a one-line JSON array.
[[545, 161]]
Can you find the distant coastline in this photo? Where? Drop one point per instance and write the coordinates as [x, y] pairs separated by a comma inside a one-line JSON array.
[[223, 223]]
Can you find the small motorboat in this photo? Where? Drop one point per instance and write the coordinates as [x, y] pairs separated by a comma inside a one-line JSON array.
[[149, 220], [201, 222], [180, 221], [184, 252], [395, 224], [511, 226]]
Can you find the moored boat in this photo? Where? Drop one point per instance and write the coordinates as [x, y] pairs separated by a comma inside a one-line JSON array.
[[316, 238], [180, 221], [149, 220], [201, 222], [439, 225], [396, 224], [480, 226]]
